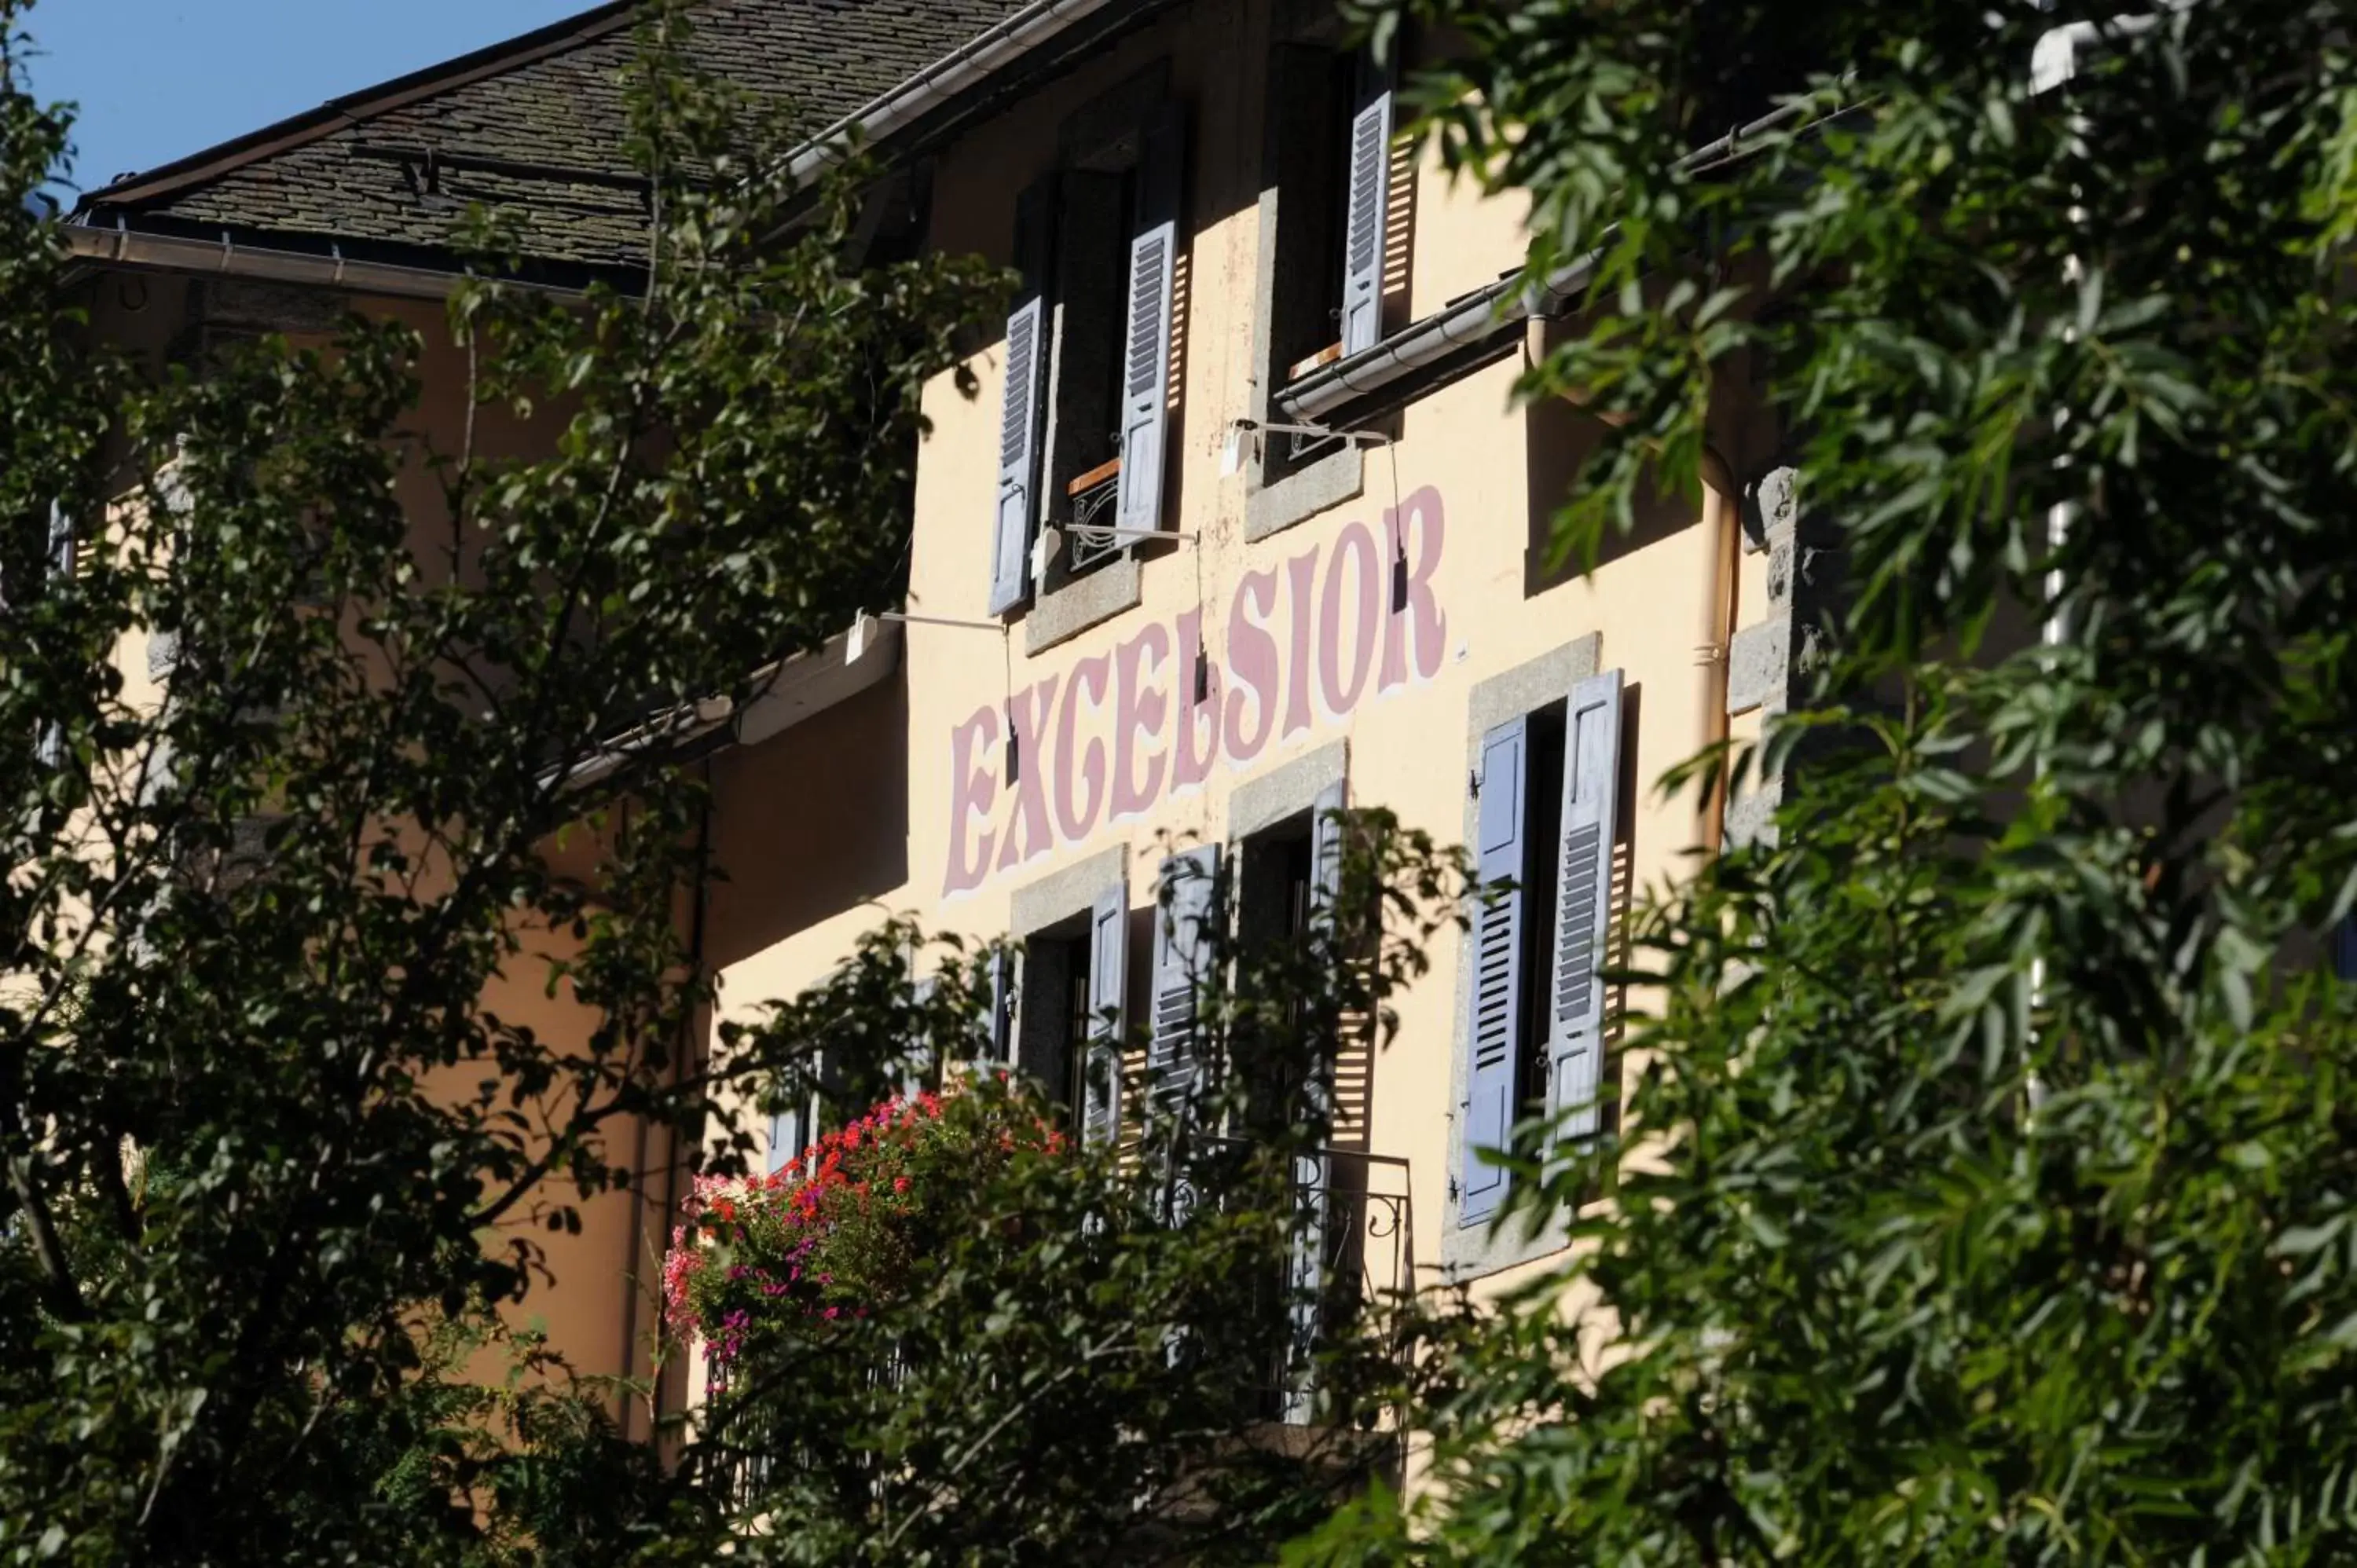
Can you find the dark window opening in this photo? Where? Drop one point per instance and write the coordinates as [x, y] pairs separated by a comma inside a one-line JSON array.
[[1097, 219], [1051, 1045], [1275, 908], [1313, 93], [1542, 831]]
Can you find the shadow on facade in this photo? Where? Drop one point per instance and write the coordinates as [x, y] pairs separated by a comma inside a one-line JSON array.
[[809, 823]]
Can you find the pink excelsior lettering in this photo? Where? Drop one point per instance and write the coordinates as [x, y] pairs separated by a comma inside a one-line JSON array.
[[1303, 639]]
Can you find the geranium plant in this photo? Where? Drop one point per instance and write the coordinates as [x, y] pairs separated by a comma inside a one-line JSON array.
[[842, 1227]]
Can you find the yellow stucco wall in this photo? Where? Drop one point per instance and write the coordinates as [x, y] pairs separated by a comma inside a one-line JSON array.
[[1491, 468], [824, 828]]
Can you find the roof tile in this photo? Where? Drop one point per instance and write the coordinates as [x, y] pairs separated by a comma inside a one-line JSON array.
[[563, 110]]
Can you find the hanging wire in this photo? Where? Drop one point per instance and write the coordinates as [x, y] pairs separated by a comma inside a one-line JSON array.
[[1399, 535], [1007, 696]]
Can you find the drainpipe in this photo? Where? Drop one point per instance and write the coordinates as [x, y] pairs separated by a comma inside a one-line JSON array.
[[1723, 538], [2054, 60], [632, 1284]]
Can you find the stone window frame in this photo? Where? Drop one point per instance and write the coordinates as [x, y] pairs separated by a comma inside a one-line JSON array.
[[1471, 1253], [1275, 795], [1106, 128], [1272, 505], [1040, 905]]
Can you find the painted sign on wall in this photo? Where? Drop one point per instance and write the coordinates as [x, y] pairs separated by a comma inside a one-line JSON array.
[[1307, 640]]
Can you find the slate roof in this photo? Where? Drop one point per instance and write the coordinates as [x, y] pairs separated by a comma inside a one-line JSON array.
[[534, 124]]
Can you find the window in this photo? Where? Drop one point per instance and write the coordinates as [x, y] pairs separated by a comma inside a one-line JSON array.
[[1284, 891], [1547, 797], [1188, 904], [1055, 1018], [1088, 354], [1068, 1033], [1330, 123], [794, 1130], [58, 565], [836, 1084]]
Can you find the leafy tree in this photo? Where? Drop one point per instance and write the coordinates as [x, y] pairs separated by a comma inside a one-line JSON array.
[[1991, 1195], [1093, 1357], [277, 1159]]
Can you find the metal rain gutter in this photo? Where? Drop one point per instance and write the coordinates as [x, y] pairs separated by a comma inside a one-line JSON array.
[[787, 692], [1478, 317], [125, 247], [1481, 315], [963, 67]]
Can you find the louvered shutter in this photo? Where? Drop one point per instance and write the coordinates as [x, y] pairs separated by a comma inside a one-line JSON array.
[[999, 1043], [1324, 888], [790, 1131], [1183, 940], [1591, 792], [1314, 1231], [917, 1062], [1370, 196], [1108, 991], [62, 544], [1326, 851], [1146, 351], [49, 748], [1020, 415], [1486, 1116]]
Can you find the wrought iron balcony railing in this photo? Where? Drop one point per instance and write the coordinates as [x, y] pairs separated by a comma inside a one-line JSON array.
[[1351, 1254], [1091, 495], [1352, 1251]]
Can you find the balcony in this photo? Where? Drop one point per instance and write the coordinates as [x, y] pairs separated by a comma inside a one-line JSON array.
[[1091, 497], [1353, 1249], [1351, 1254]]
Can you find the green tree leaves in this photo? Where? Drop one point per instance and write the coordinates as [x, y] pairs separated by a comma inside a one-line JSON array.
[[1997, 1212]]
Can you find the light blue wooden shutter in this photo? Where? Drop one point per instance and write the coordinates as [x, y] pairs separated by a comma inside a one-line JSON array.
[[1486, 1117], [791, 1130], [1591, 798], [1362, 235], [999, 1042], [1020, 420], [1183, 942], [1108, 994], [50, 747], [1315, 1226], [917, 1065], [1326, 852], [1146, 354]]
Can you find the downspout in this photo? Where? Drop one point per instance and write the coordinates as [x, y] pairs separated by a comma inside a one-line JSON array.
[[2054, 60], [632, 1281], [1723, 538]]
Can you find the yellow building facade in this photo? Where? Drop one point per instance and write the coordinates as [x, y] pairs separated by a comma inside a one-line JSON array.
[[1240, 521], [1337, 591]]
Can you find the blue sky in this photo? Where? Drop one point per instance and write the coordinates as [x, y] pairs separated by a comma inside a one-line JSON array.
[[160, 78]]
